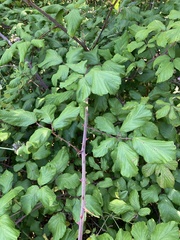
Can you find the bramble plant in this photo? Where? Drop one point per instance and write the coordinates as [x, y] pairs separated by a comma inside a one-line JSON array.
[[90, 119]]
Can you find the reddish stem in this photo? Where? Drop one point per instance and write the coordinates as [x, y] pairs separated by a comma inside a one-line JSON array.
[[83, 179]]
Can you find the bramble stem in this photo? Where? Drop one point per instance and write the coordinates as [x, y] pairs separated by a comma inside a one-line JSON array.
[[83, 178]]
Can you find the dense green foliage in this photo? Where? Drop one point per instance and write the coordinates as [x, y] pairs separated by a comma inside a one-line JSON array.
[[128, 67]]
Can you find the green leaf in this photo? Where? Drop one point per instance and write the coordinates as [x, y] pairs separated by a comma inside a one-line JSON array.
[[176, 63], [162, 39], [140, 231], [46, 113], [103, 82], [8, 54], [109, 65], [92, 206], [144, 212], [6, 180], [106, 183], [7, 228], [52, 8], [23, 47], [52, 58], [42, 152], [57, 225], [119, 207], [167, 211], [149, 130], [126, 160], [18, 117], [148, 169], [4, 135], [134, 199], [73, 20], [123, 235], [78, 67], [104, 147], [92, 57], [159, 60], [174, 14], [68, 115], [163, 112], [165, 71], [150, 195], [174, 196], [32, 170], [57, 98], [74, 55], [138, 116], [5, 201], [105, 125], [142, 34], [71, 81], [164, 177], [166, 231], [60, 75], [154, 151], [46, 173], [47, 197], [156, 25], [68, 181], [134, 45], [39, 137], [83, 90], [104, 236], [61, 159], [30, 199], [39, 43]]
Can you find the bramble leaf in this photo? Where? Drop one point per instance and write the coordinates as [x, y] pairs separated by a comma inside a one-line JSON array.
[[68, 115], [119, 206], [103, 82], [52, 58], [154, 151], [67, 181], [7, 228], [30, 199], [104, 124], [138, 116], [6, 180], [73, 20], [140, 231], [166, 231], [126, 160], [6, 199], [18, 117], [57, 225]]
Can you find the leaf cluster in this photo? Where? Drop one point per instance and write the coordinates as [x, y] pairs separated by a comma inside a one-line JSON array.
[[126, 62]]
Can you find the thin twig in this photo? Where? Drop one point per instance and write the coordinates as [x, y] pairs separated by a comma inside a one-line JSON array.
[[63, 140], [104, 25], [6, 39], [109, 135], [83, 178], [80, 42]]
